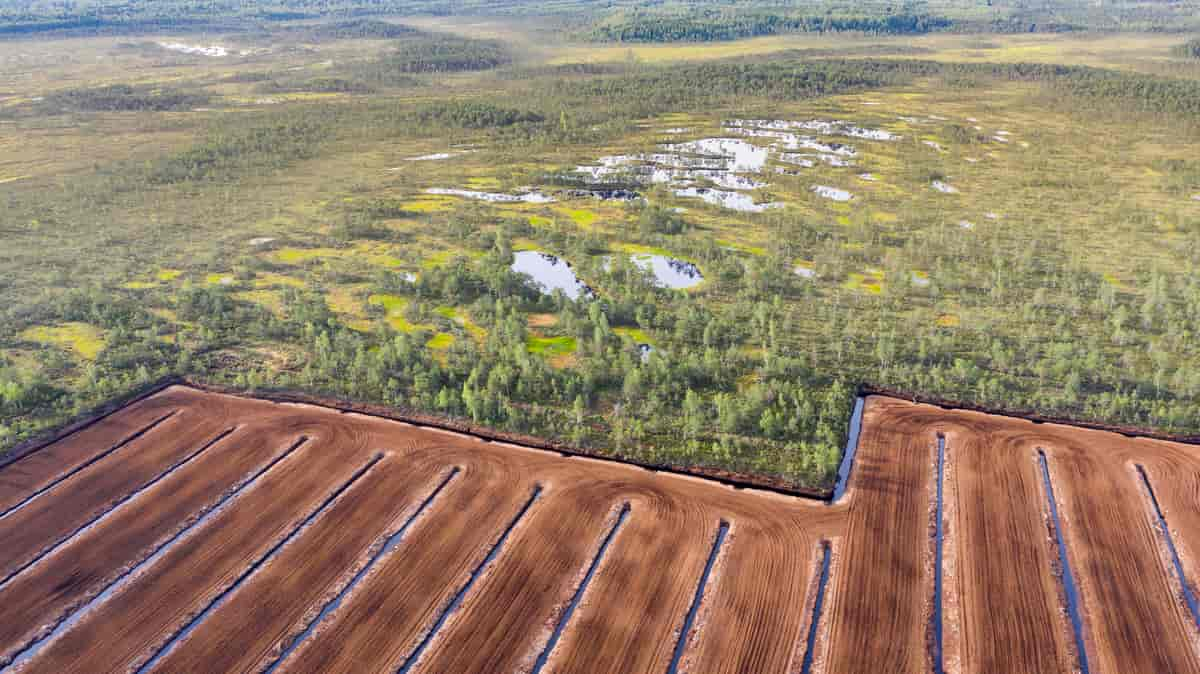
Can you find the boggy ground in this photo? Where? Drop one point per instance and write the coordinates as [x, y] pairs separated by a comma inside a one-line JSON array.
[[195, 531]]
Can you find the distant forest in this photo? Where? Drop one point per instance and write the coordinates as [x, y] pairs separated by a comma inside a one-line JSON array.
[[1190, 49], [610, 20], [712, 26]]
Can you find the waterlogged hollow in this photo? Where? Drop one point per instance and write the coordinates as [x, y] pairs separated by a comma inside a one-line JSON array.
[[795, 159], [783, 140], [727, 163], [730, 181], [735, 201], [832, 193], [669, 272], [550, 273], [195, 50], [738, 154], [494, 197], [824, 127]]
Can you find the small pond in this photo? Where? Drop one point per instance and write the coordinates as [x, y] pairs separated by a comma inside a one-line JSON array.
[[832, 193], [528, 197], [550, 273], [669, 272]]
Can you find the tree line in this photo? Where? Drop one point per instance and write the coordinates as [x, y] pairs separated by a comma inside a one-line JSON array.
[[711, 26]]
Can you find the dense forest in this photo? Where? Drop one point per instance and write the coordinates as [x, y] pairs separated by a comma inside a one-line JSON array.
[[1190, 49], [726, 25], [607, 20]]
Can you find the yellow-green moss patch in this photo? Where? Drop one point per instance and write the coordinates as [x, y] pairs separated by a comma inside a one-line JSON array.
[[83, 338]]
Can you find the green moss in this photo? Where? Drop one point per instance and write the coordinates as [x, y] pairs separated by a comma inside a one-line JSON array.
[[375, 254], [635, 248], [550, 346], [272, 280], [483, 183], [583, 217], [267, 298], [429, 205], [636, 334], [83, 338], [434, 260], [743, 247], [868, 283], [395, 306], [302, 255]]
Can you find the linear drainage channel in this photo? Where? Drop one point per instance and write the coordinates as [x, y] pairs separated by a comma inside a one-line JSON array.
[[390, 542], [118, 583], [274, 550], [579, 592], [839, 489], [686, 630], [102, 455], [818, 606], [415, 657], [936, 617], [115, 506], [1068, 580], [1188, 596]]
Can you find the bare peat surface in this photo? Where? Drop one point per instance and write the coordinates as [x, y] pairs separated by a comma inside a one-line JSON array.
[[200, 531]]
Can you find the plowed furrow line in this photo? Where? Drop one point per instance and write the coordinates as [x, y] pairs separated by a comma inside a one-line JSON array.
[[754, 617], [36, 472], [565, 618], [115, 508], [54, 516], [689, 621], [153, 605], [15, 485], [36, 601], [1185, 589], [269, 611], [398, 601], [638, 600], [1176, 480], [1133, 621], [882, 585], [296, 532], [1010, 607], [51, 629], [514, 608], [415, 658], [814, 622]]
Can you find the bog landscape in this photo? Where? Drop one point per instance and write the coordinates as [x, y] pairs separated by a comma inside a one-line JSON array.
[[691, 336]]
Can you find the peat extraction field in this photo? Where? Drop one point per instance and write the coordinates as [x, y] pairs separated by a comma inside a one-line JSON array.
[[199, 531]]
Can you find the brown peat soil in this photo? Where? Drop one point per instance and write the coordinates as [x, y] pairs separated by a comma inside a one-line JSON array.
[[199, 531]]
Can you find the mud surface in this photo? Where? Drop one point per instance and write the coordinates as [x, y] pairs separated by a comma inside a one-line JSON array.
[[198, 531], [1009, 612], [234, 558]]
